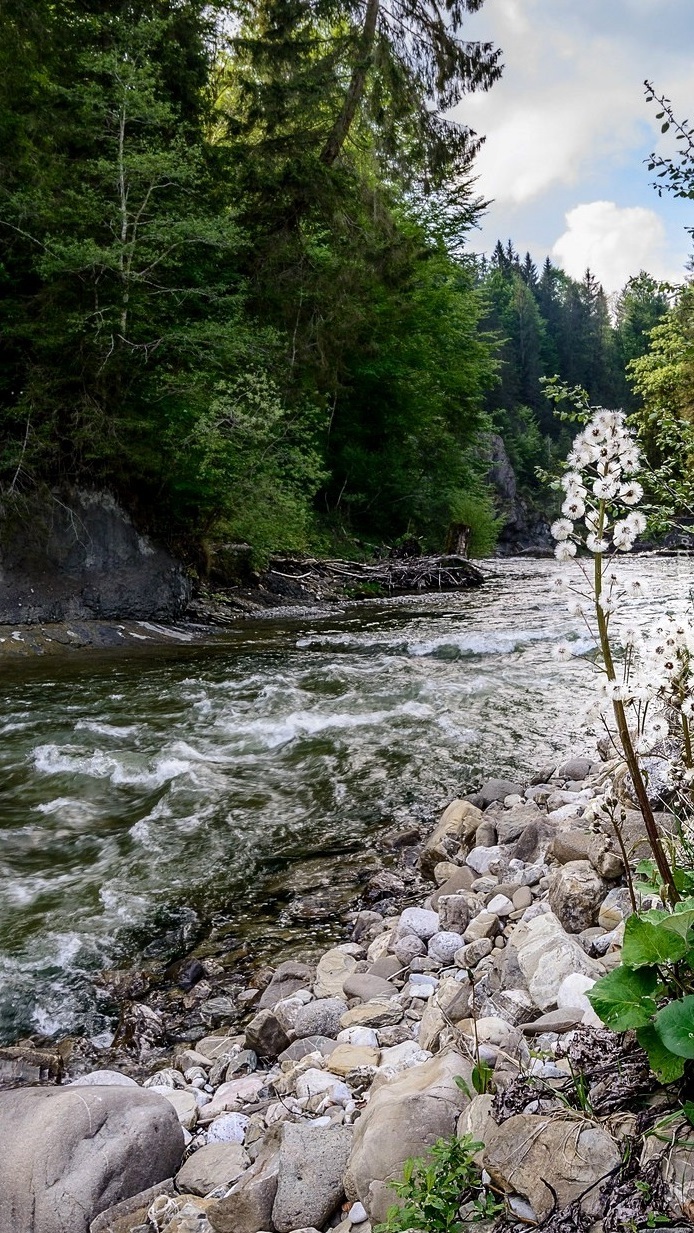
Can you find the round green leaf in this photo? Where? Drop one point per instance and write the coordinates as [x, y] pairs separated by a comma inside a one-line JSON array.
[[675, 1026]]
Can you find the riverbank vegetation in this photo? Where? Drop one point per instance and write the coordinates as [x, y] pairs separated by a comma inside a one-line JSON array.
[[237, 281]]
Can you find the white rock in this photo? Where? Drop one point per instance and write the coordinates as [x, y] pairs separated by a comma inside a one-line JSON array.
[[511, 801], [103, 1078], [572, 992], [546, 955], [228, 1128], [360, 1036], [500, 905], [565, 812], [314, 1082], [480, 859], [419, 921], [357, 1213], [443, 945], [380, 946]]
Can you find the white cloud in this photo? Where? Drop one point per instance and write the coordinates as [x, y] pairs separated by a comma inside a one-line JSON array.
[[571, 96], [613, 242]]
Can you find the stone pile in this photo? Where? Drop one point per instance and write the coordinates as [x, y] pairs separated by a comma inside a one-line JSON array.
[[345, 1069]]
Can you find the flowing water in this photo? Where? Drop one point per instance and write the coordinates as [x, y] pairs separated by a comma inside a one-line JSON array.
[[143, 799]]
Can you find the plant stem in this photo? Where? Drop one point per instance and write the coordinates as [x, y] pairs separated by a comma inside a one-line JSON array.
[[625, 736]]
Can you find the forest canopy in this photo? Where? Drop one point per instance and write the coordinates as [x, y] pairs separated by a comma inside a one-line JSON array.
[[237, 286]]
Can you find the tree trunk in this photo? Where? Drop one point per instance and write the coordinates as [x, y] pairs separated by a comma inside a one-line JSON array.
[[355, 91]]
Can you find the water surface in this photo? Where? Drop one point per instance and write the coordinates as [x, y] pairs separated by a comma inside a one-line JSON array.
[[142, 798]]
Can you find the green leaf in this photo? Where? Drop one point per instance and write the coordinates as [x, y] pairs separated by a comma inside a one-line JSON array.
[[681, 919], [675, 1026], [688, 1110], [666, 1067], [623, 999], [646, 944]]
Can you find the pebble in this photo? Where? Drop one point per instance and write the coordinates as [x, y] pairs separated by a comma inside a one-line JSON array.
[[420, 922], [444, 945], [500, 905], [357, 1213]]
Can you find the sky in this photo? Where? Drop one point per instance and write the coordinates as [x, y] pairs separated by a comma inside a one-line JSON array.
[[568, 129]]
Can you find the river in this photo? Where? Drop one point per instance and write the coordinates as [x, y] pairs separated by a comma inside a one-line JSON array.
[[146, 799]]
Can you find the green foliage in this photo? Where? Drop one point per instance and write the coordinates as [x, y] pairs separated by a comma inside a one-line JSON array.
[[434, 1188], [653, 990], [241, 336]]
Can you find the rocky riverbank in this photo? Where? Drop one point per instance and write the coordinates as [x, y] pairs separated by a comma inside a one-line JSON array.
[[292, 586], [319, 1079]]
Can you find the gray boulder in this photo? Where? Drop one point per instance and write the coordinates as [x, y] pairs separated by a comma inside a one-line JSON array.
[[289, 977], [312, 1163], [265, 1035], [70, 1153], [403, 1118], [320, 1018], [248, 1207], [551, 1162], [215, 1164], [576, 893], [366, 986], [496, 790]]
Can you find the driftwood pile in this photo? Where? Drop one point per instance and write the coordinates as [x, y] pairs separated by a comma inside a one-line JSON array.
[[403, 576]]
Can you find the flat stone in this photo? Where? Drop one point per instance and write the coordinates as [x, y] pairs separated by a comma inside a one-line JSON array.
[[372, 1014], [347, 1058], [216, 1164], [366, 987], [554, 1021], [70, 1153], [230, 1095], [461, 880], [289, 977], [574, 768], [332, 971], [386, 967], [212, 1047], [307, 1044]]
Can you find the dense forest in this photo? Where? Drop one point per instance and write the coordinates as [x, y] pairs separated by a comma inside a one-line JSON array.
[[238, 286]]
